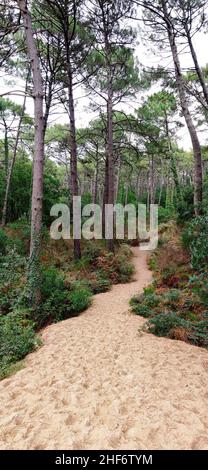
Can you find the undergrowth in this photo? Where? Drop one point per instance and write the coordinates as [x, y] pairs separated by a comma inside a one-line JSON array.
[[66, 286], [176, 304]]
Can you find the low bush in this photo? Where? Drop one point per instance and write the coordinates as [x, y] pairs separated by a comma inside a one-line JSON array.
[[153, 263], [117, 269], [199, 332], [124, 269], [17, 338], [176, 304], [92, 251], [52, 280], [149, 290], [142, 304], [60, 300], [79, 299], [63, 293], [140, 308], [99, 285], [195, 238], [164, 215], [199, 285], [163, 323], [3, 242], [171, 298], [12, 272]]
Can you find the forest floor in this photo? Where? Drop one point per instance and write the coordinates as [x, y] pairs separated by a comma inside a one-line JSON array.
[[100, 382]]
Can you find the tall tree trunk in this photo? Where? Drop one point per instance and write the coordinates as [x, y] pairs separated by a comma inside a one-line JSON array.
[[38, 160], [126, 192], [95, 185], [173, 161], [6, 148], [110, 243], [73, 148], [105, 196], [11, 166], [148, 189], [152, 180], [186, 113], [117, 182], [138, 184]]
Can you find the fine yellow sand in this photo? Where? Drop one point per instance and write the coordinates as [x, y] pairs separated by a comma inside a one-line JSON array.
[[97, 383]]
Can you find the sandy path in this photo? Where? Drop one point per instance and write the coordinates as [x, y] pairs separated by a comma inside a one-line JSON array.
[[99, 384]]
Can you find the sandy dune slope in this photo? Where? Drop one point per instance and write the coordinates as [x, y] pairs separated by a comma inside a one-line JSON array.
[[97, 383]]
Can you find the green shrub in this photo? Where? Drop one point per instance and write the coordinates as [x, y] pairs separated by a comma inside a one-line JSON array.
[[140, 309], [185, 207], [92, 251], [55, 308], [12, 271], [152, 300], [164, 215], [99, 285], [82, 264], [18, 245], [162, 323], [167, 273], [199, 332], [195, 237], [124, 268], [125, 250], [187, 315], [17, 338], [20, 224], [60, 301], [54, 295], [199, 285], [149, 290], [80, 300], [171, 297], [3, 242], [153, 263], [144, 304], [52, 281]]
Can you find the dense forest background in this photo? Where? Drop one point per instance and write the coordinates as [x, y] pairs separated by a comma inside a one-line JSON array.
[[61, 52]]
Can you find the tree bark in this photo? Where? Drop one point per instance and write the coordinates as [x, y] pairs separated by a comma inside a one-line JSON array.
[[173, 162], [6, 148], [110, 243], [186, 113], [95, 185], [105, 196], [38, 160], [194, 57], [73, 146], [117, 177], [152, 180]]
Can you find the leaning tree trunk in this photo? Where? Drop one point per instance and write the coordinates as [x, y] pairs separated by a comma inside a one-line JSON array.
[[196, 63], [11, 166], [186, 114], [38, 159]]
